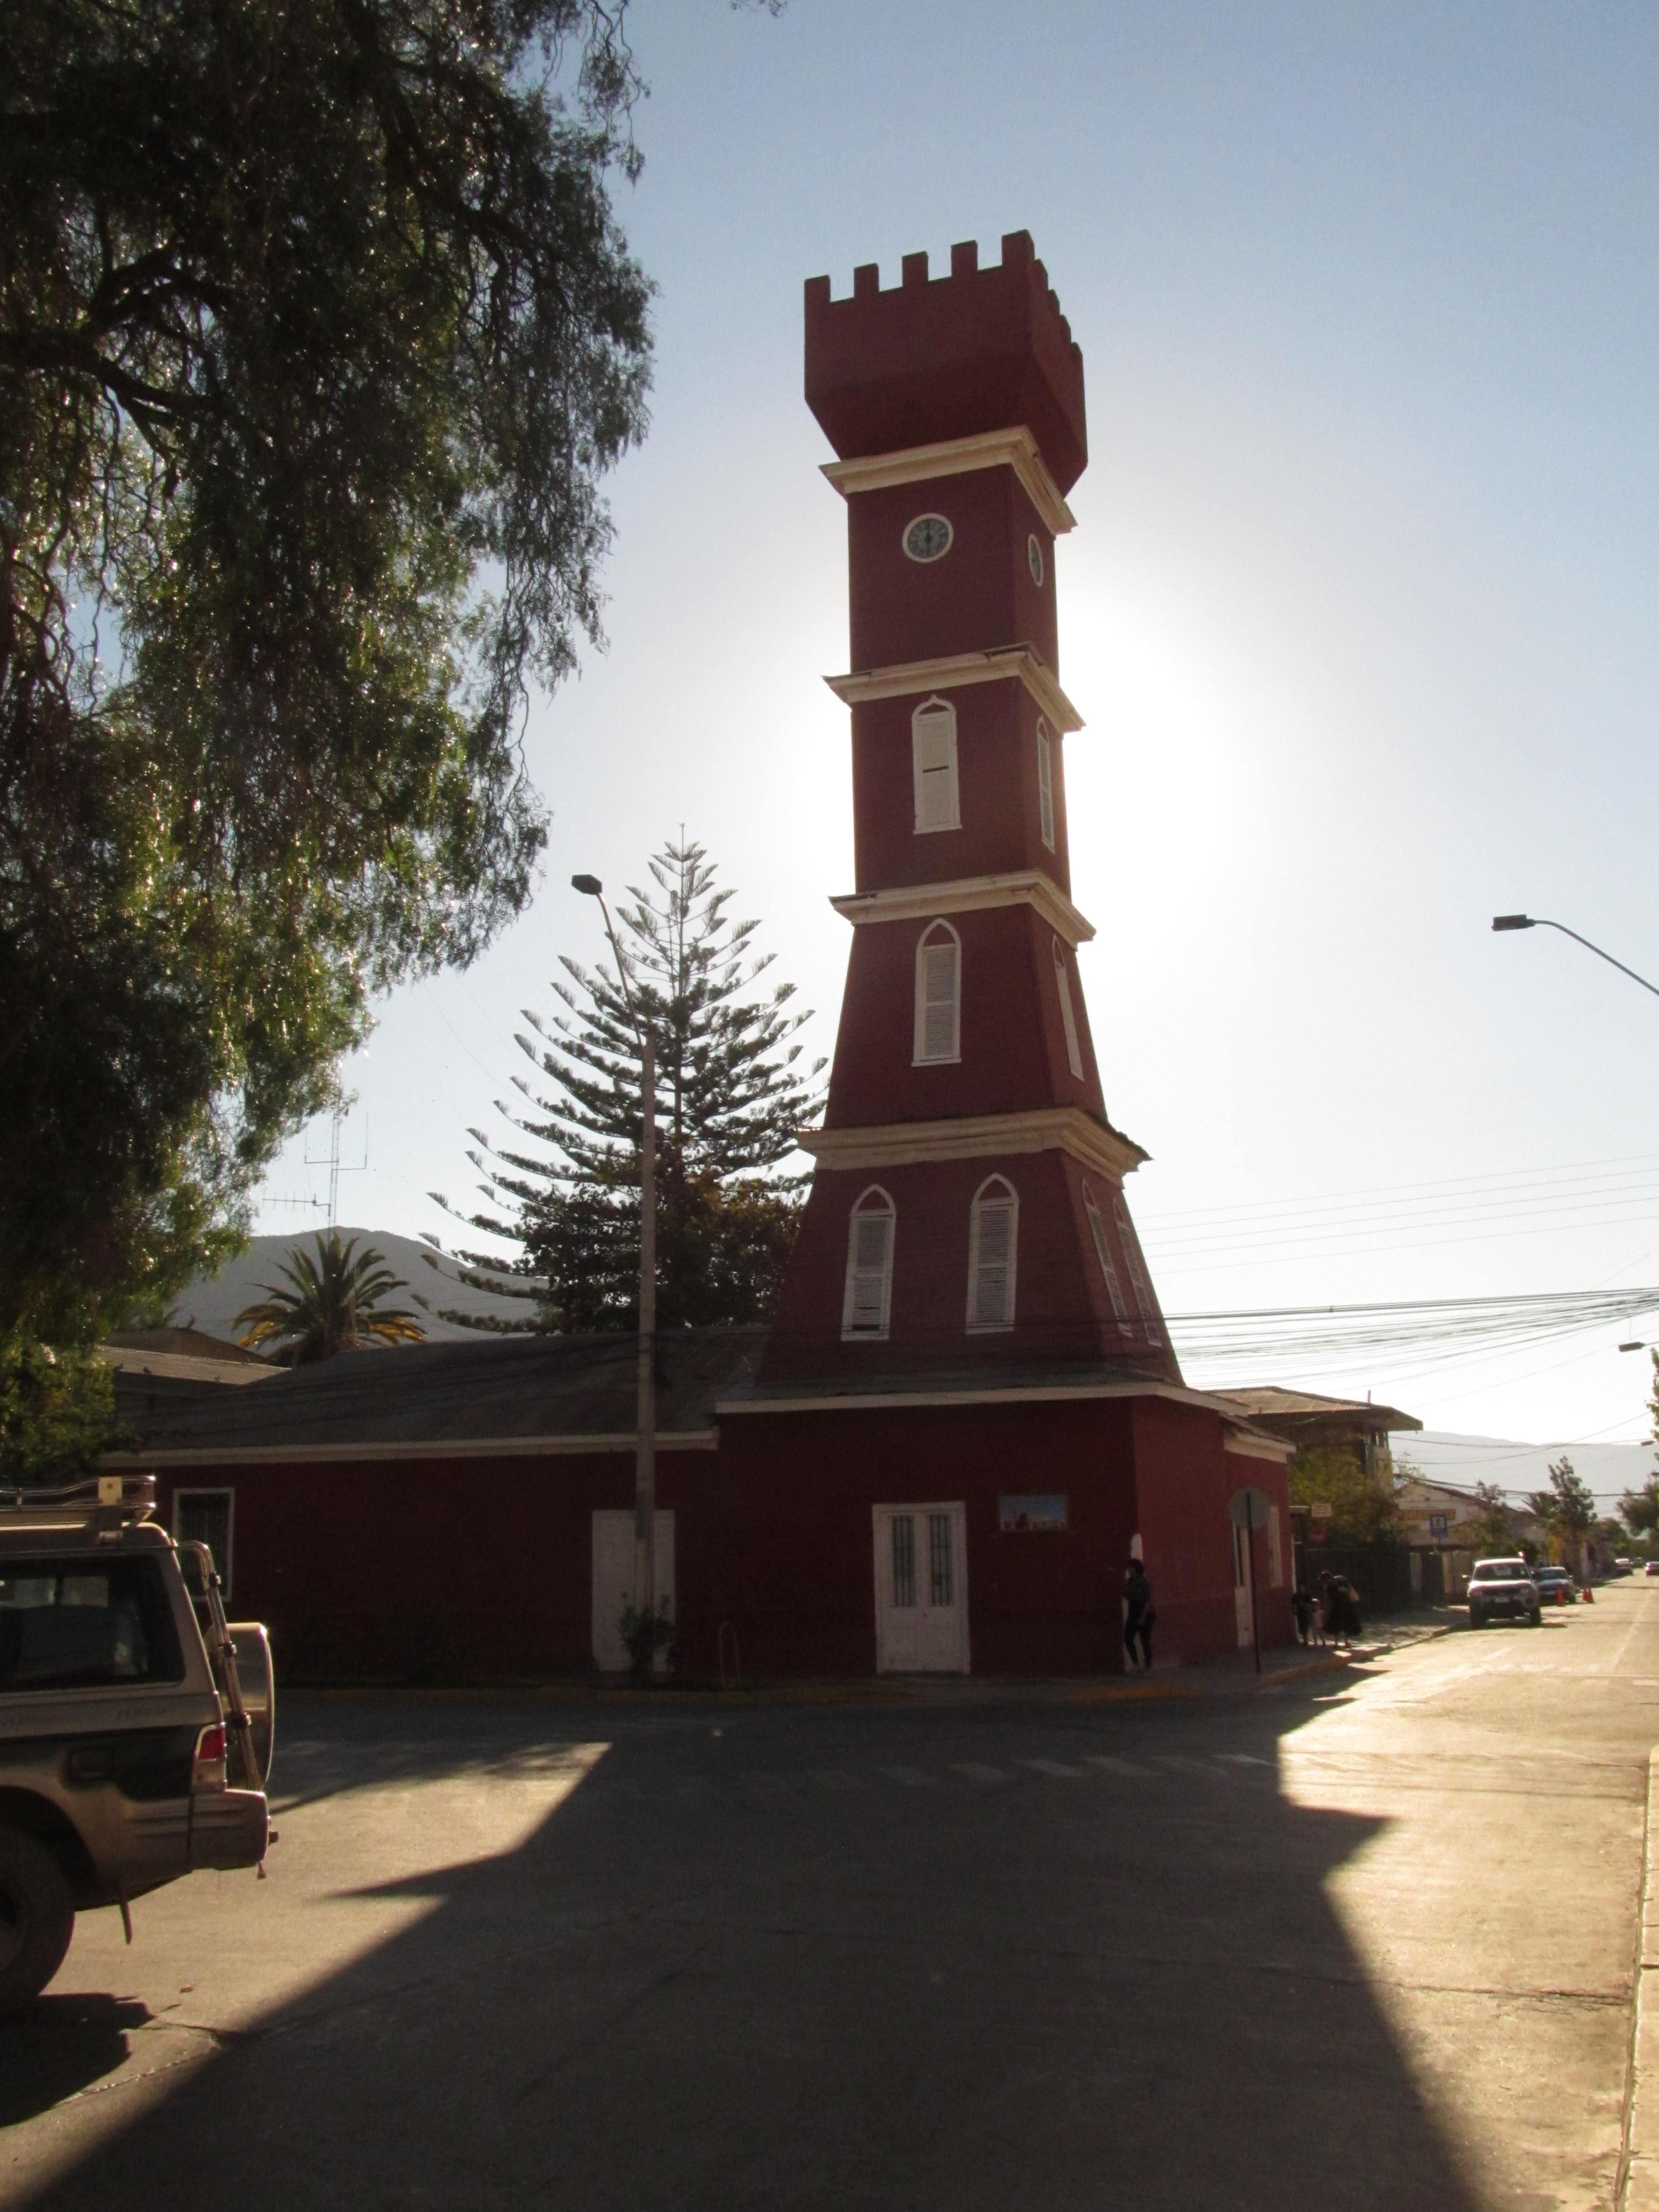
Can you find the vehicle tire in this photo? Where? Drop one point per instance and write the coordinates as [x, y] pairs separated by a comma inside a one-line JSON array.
[[37, 1918]]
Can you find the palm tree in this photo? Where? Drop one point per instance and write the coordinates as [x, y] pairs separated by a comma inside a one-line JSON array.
[[333, 1304]]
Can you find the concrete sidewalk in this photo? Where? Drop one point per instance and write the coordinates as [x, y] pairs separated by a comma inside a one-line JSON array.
[[1282, 1665]]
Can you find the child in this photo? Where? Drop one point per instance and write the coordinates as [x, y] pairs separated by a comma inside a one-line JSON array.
[[1303, 1604]]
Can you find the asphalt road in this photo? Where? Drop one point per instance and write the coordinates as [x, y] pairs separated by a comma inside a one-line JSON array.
[[1368, 1944]]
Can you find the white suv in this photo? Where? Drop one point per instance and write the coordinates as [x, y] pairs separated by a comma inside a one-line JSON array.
[[1503, 1590]]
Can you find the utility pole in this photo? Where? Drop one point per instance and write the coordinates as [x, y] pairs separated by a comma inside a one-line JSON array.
[[645, 1447]]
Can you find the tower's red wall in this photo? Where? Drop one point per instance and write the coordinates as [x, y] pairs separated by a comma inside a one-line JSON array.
[[979, 595], [1063, 1313], [773, 1535], [801, 1487], [979, 349], [1012, 1035], [1001, 827], [1185, 1479]]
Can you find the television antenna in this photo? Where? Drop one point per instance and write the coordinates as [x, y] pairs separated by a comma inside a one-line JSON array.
[[337, 1167], [331, 1159]]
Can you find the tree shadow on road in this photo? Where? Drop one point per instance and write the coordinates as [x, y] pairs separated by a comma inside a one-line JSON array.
[[703, 1983]]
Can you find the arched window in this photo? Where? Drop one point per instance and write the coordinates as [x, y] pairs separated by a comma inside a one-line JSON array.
[[1068, 1013], [1108, 1265], [1138, 1275], [992, 1240], [1045, 784], [869, 1295], [933, 766], [939, 995]]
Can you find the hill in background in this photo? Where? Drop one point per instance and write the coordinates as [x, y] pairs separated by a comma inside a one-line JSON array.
[[212, 1303], [1464, 1461]]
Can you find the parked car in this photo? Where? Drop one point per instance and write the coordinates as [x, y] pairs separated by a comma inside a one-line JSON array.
[[1651, 1568], [135, 1723], [1503, 1590], [1555, 1585]]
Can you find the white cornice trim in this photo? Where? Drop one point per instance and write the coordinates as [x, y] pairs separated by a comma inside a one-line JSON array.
[[1251, 1444], [427, 1448], [955, 669], [1015, 448], [971, 894], [898, 1401], [975, 1136]]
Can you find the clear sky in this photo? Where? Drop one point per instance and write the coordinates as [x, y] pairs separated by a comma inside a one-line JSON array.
[[1359, 613]]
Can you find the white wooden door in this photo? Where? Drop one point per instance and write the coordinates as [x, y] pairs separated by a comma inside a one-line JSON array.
[[1242, 1585], [613, 1584], [922, 1589]]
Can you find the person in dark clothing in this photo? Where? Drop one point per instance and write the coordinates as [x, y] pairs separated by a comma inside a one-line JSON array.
[[1342, 1610], [1138, 1616], [1303, 1605]]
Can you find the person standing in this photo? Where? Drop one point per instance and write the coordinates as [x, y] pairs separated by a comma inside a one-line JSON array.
[[1138, 1616], [1302, 1605]]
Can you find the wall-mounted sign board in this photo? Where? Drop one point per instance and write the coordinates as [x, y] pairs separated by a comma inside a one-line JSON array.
[[1038, 1514]]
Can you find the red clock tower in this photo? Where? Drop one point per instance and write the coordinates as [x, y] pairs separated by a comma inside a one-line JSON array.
[[967, 1210]]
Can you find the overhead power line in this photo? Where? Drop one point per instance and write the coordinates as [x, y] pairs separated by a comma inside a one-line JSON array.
[[1429, 1331]]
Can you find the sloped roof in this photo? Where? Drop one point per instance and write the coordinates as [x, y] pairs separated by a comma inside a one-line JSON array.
[[179, 1355], [498, 1388], [1266, 1399]]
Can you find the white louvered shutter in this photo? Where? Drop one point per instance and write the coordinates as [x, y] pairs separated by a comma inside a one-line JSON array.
[[869, 1270], [992, 1305], [1138, 1275], [937, 995], [1068, 1013], [1108, 1265], [933, 751], [1045, 786]]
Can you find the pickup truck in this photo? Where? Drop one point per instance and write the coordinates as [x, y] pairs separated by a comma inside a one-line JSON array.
[[135, 1723]]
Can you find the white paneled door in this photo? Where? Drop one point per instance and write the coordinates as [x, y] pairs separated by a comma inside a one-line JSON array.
[[613, 1584], [922, 1589]]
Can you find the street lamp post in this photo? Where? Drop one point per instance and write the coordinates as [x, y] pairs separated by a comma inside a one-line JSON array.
[[645, 1447], [1529, 922]]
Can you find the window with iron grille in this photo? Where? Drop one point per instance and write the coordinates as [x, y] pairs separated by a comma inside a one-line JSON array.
[[206, 1516], [905, 1559], [939, 995], [938, 1558], [992, 1238], [868, 1300]]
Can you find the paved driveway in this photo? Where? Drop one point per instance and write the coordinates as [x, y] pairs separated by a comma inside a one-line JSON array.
[[1366, 1945]]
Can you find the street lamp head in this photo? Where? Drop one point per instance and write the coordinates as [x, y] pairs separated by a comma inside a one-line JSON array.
[[1513, 921], [591, 887], [1639, 1346]]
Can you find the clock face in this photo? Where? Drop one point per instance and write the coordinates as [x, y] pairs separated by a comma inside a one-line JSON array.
[[1034, 561], [927, 538]]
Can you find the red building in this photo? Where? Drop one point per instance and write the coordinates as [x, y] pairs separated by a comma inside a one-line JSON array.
[[967, 1412]]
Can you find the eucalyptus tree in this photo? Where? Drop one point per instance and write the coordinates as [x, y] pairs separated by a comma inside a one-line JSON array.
[[317, 333]]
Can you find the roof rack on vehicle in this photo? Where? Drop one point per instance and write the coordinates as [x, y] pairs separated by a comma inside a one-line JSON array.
[[104, 1501]]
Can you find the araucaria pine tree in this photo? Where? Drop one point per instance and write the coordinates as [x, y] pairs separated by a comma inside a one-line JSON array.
[[731, 1096]]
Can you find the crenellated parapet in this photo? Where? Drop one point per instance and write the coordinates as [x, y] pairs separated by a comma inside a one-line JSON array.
[[937, 358]]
